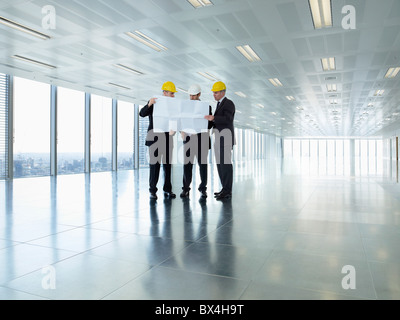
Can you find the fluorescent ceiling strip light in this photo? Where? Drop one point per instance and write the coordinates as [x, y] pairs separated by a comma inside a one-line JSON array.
[[328, 64], [392, 73], [42, 64], [240, 94], [379, 92], [183, 90], [260, 105], [276, 82], [290, 98], [331, 87], [20, 27], [321, 11], [118, 86], [208, 76], [121, 66], [200, 3], [248, 53], [142, 38]]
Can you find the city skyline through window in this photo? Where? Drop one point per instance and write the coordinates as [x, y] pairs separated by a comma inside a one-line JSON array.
[[32, 128], [101, 126], [71, 131], [126, 118]]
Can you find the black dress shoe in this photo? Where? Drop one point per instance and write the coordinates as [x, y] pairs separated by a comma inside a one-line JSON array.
[[185, 194], [224, 195], [153, 196], [203, 194], [216, 194], [170, 195]]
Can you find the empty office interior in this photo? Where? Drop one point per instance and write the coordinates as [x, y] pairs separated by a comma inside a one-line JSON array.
[[315, 206]]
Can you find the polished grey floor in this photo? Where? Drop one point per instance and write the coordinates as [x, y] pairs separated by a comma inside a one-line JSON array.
[[283, 235]]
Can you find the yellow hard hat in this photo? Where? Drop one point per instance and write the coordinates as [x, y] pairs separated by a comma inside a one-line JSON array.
[[218, 86], [169, 86]]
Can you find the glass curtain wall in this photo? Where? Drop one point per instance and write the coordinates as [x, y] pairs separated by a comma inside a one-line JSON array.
[[71, 131], [32, 128], [334, 157], [101, 136], [126, 118]]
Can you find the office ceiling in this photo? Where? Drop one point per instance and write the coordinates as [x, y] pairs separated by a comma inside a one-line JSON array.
[[90, 39]]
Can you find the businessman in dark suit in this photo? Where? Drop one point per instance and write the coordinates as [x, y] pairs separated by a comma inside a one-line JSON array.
[[160, 147], [224, 135], [196, 146]]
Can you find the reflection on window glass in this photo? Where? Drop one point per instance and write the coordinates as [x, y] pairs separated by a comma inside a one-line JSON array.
[[101, 126], [125, 144], [32, 128], [71, 131]]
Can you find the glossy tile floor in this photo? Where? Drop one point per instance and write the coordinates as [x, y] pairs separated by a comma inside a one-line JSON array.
[[282, 236]]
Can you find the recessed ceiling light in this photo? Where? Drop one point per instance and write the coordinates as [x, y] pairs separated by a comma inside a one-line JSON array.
[[328, 64], [248, 53], [20, 27], [331, 87], [200, 3], [142, 38], [39, 63], [379, 93], [260, 105], [392, 72], [321, 11], [276, 82], [290, 98]]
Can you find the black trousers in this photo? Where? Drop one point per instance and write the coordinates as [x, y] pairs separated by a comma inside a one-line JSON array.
[[196, 148], [160, 156], [223, 157]]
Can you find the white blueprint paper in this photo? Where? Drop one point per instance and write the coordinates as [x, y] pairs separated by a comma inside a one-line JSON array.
[[180, 115]]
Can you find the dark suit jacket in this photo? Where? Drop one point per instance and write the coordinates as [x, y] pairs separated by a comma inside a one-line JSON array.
[[147, 111], [224, 118]]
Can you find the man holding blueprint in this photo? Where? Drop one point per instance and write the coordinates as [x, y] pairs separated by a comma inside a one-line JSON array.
[[160, 143], [196, 146]]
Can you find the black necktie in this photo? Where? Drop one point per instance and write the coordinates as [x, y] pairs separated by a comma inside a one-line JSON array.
[[219, 103]]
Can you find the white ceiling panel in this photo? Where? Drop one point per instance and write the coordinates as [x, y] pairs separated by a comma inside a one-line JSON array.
[[90, 38]]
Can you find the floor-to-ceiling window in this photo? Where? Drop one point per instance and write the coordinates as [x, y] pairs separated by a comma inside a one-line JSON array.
[[71, 131], [125, 144], [4, 96], [32, 128], [101, 134], [334, 156]]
